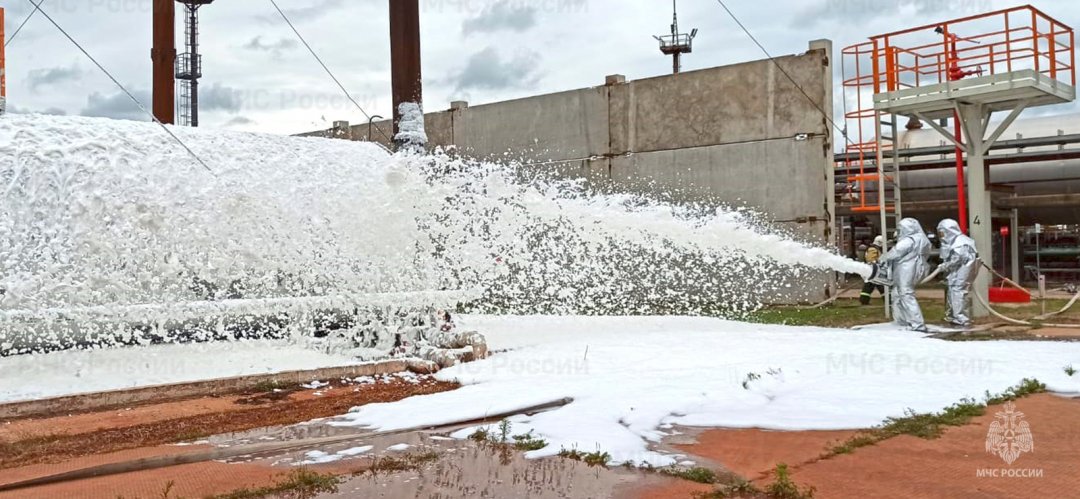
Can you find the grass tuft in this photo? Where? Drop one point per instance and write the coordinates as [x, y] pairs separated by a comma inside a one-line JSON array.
[[574, 454], [932, 425], [783, 487], [300, 484], [528, 442], [1070, 370], [597, 458], [481, 435], [695, 474], [504, 430], [505, 439], [735, 487], [271, 385], [1025, 388], [392, 464]]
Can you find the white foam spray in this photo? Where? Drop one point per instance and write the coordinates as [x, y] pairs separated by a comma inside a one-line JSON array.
[[105, 213]]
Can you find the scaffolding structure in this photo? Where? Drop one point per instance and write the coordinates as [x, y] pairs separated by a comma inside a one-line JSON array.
[[189, 65], [965, 69]]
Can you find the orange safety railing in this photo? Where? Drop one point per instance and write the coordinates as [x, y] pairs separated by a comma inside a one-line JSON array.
[[987, 44]]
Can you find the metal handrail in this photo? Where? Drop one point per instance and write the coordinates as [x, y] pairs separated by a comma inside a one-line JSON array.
[[996, 42]]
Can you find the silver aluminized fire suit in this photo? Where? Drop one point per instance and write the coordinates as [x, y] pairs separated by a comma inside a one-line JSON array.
[[908, 262], [960, 261]]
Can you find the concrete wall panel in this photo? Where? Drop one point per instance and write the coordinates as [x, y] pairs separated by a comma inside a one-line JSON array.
[[741, 135], [566, 125]]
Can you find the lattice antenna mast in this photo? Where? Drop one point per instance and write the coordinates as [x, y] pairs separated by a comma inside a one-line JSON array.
[[676, 44], [189, 64]]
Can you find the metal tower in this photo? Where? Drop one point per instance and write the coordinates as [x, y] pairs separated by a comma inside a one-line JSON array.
[[676, 44], [189, 65], [1011, 60]]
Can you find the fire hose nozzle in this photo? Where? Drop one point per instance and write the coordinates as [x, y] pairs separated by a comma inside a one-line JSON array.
[[879, 275]]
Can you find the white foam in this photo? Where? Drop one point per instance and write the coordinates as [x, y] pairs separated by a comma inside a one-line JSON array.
[[628, 377], [113, 215]]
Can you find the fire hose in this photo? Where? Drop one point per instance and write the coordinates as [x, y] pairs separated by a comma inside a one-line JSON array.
[[879, 273], [832, 298], [1022, 322]]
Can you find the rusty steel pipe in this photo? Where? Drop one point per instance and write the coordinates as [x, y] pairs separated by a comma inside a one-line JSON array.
[[405, 77], [163, 55]]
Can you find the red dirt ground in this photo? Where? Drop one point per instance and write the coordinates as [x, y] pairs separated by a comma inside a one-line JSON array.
[[189, 480], [52, 440], [907, 467], [910, 467], [753, 453]]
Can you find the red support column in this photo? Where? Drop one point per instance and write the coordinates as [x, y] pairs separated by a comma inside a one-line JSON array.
[[405, 54], [961, 194], [163, 54], [3, 66]]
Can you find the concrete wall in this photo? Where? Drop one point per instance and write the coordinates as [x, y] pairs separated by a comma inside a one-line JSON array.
[[743, 135]]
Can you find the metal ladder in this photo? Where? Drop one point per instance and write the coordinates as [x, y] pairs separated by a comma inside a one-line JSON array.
[[888, 195]]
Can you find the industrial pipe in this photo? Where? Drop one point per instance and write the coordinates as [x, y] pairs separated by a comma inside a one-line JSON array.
[[3, 66], [405, 77], [163, 55]]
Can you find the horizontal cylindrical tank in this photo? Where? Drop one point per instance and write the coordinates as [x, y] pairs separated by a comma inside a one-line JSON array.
[[1027, 179]]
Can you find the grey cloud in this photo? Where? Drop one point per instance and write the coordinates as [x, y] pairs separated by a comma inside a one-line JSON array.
[[13, 109], [218, 97], [486, 70], [513, 16], [52, 76], [240, 121], [304, 14], [275, 49], [863, 11], [117, 105]]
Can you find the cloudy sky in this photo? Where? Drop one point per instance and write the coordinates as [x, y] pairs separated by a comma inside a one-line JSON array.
[[257, 76]]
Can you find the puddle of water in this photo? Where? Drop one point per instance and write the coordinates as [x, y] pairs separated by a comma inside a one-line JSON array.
[[464, 468], [469, 469]]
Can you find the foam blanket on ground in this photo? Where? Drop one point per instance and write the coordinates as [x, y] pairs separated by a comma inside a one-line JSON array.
[[29, 377], [633, 377]]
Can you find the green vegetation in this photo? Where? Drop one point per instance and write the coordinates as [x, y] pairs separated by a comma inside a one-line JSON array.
[[931, 425], [695, 474], [574, 454], [783, 488], [1070, 370], [408, 462], [597, 458], [269, 386], [528, 442], [190, 435], [25, 441], [524, 442], [842, 313], [1026, 387], [847, 312], [504, 430], [167, 490], [481, 435], [300, 484]]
